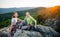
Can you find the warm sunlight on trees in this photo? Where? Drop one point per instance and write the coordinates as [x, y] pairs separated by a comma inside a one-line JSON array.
[[52, 12]]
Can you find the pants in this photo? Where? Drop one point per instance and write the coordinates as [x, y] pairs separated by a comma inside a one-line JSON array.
[[26, 26]]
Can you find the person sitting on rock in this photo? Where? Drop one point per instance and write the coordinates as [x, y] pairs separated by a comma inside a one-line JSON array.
[[29, 20], [14, 20]]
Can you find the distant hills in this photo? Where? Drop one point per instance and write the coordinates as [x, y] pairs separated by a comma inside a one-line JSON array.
[[6, 10]]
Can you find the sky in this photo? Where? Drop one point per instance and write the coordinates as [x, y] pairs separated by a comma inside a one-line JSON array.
[[28, 3]]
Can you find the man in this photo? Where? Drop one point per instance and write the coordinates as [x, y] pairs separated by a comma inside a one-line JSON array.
[[29, 20]]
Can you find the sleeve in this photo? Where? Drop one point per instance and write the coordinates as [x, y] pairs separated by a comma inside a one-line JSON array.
[[34, 21], [19, 19], [12, 20]]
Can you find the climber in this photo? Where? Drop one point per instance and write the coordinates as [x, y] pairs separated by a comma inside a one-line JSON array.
[[29, 20], [14, 20]]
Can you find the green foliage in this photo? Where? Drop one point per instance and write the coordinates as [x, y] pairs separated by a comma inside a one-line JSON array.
[[4, 23], [22, 17]]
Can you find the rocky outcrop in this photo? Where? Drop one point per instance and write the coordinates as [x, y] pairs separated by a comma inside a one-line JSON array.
[[51, 23], [27, 34], [41, 31], [47, 31]]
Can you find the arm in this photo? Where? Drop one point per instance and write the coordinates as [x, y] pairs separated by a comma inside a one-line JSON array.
[[12, 23], [34, 21], [11, 26], [19, 19]]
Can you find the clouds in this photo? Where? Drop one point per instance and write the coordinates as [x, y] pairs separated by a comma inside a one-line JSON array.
[[28, 3]]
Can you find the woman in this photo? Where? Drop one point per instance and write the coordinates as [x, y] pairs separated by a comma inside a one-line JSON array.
[[14, 20]]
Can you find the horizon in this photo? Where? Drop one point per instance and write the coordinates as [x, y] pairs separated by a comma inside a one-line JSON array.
[[32, 7], [28, 3]]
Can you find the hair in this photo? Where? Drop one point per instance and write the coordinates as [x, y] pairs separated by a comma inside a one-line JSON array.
[[13, 14], [28, 12]]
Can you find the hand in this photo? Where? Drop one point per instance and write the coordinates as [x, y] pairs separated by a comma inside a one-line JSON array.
[[8, 30], [30, 24]]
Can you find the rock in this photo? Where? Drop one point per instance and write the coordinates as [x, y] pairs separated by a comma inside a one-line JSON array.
[[51, 23], [47, 31], [5, 34], [40, 31], [27, 34], [0, 33]]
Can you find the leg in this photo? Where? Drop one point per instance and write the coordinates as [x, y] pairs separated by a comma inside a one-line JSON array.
[[10, 29]]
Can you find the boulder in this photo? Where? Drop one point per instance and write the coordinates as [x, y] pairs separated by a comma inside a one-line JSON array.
[[5, 34], [47, 31], [51, 23], [19, 33]]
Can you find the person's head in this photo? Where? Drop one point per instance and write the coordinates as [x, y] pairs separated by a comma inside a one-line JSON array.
[[15, 15], [27, 14]]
